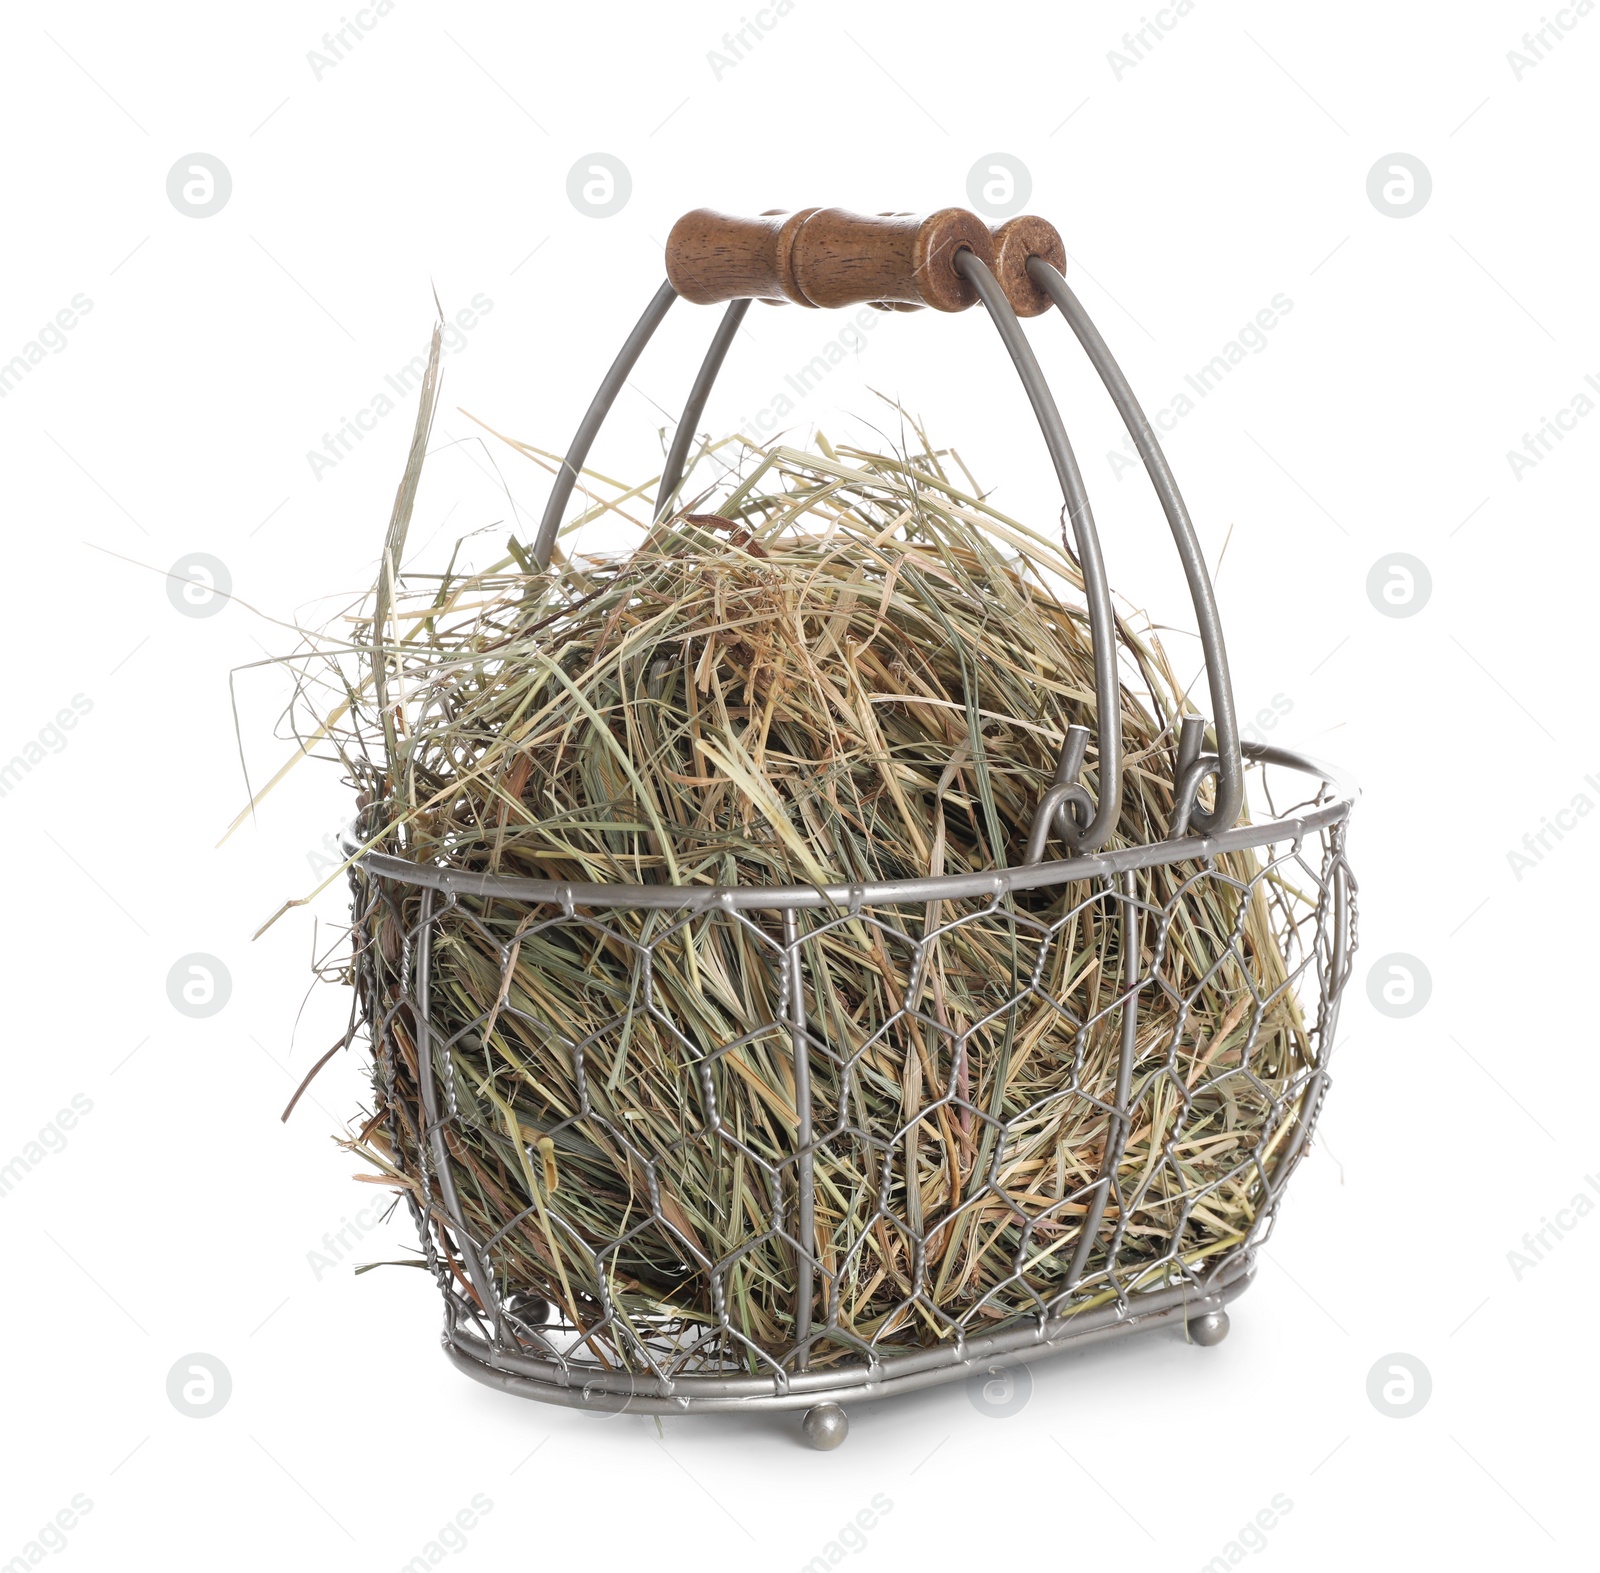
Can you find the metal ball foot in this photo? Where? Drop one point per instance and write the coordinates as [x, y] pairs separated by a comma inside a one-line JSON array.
[[1209, 1329], [529, 1308], [825, 1426]]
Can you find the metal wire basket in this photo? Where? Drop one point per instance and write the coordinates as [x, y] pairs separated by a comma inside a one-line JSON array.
[[1100, 1260]]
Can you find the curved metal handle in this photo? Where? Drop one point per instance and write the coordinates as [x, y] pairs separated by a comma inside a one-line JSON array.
[[900, 259], [544, 543], [1096, 588], [1226, 764], [688, 423]]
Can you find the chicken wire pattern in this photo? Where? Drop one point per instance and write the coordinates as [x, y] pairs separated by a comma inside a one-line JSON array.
[[898, 1199]]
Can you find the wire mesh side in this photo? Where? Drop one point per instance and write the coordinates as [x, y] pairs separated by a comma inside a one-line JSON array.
[[1044, 1103]]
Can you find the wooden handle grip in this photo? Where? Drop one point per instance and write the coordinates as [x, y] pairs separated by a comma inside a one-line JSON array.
[[715, 256], [1014, 242], [827, 257]]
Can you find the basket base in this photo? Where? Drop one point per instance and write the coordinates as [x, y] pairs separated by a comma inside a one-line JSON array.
[[1201, 1315]]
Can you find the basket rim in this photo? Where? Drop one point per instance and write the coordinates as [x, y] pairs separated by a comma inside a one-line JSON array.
[[995, 883]]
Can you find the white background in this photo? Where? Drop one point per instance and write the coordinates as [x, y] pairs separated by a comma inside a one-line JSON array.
[[1227, 166]]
